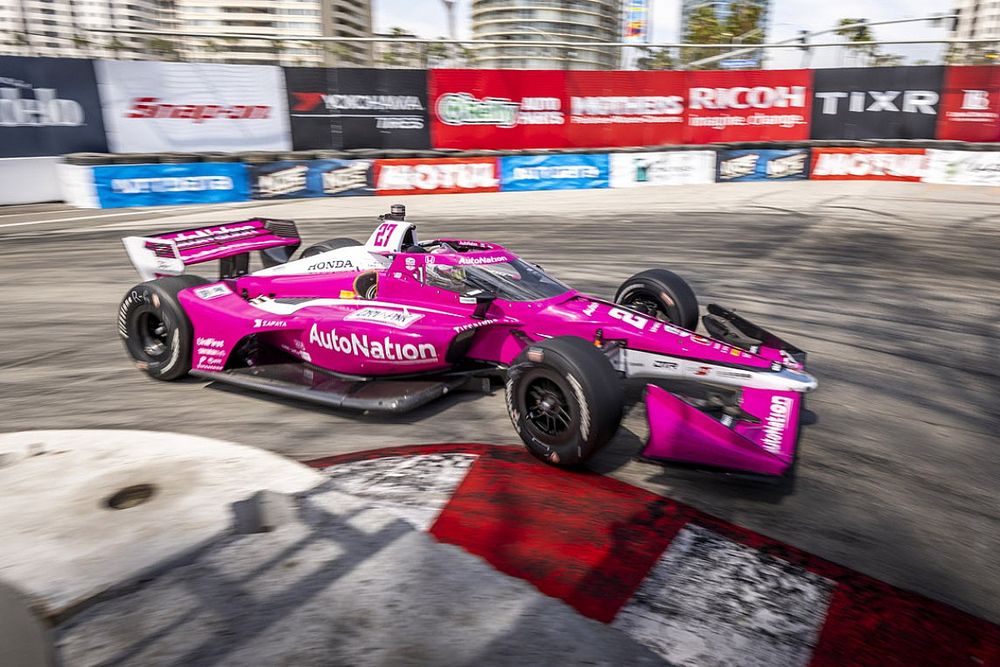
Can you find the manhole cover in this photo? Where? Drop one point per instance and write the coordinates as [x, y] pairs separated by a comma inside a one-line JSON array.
[[131, 496]]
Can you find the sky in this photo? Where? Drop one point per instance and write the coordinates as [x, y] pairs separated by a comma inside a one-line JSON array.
[[426, 18]]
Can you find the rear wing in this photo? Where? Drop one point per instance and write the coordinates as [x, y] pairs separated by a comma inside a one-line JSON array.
[[231, 243]]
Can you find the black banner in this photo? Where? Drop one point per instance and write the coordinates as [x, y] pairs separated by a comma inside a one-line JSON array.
[[49, 106], [357, 108], [876, 103]]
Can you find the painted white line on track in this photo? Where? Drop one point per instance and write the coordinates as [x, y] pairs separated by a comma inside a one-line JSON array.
[[84, 217]]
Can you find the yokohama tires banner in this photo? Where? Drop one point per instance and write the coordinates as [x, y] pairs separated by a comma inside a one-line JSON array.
[[755, 105], [876, 103], [357, 108], [498, 108], [157, 106], [49, 106], [869, 164], [970, 104], [445, 175]]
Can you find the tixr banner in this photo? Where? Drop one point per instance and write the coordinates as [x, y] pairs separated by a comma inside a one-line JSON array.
[[762, 165], [170, 184], [436, 176], [553, 172], [970, 104], [156, 106], [869, 164], [357, 108], [876, 103], [311, 178], [49, 106]]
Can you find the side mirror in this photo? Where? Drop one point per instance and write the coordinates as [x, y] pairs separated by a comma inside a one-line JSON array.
[[482, 299]]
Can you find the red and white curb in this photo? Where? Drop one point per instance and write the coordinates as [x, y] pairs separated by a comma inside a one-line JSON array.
[[694, 589]]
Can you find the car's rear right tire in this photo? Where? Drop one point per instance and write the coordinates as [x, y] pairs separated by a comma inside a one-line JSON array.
[[565, 399]]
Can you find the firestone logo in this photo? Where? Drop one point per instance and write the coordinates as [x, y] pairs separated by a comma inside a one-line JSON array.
[[45, 110], [361, 346]]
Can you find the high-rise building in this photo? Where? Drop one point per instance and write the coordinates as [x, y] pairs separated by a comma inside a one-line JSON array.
[[543, 22], [978, 19]]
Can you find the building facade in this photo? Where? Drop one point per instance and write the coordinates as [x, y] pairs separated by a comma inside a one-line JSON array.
[[543, 22], [978, 19]]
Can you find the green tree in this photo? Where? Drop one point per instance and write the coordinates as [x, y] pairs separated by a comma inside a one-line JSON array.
[[703, 28], [859, 33], [116, 46], [655, 59], [435, 53]]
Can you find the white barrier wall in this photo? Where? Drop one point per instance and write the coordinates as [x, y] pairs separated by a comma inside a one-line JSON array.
[[29, 180]]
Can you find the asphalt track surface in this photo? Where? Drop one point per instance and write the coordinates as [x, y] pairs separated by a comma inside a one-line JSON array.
[[892, 288]]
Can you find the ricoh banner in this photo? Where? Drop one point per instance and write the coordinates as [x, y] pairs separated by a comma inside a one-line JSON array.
[[436, 176], [877, 103], [737, 166], [311, 178], [170, 184], [630, 170], [357, 108], [970, 104], [49, 106], [158, 106], [553, 172]]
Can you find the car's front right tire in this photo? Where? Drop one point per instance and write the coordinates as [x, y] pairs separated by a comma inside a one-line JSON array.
[[565, 399]]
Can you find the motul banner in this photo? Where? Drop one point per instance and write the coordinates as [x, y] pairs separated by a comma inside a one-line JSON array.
[[357, 108], [869, 164], [498, 108], [876, 103], [970, 104], [756, 105], [49, 106], [625, 108], [158, 106], [436, 176]]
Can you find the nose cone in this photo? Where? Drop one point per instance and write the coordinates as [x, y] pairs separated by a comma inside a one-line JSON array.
[[799, 381]]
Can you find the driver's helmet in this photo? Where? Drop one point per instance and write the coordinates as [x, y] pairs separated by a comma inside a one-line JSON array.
[[446, 275]]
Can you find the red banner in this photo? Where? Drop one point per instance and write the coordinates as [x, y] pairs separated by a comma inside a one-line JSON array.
[[970, 104], [472, 108], [436, 176], [625, 108], [868, 164], [756, 105]]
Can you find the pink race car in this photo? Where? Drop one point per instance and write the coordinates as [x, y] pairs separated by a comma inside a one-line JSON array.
[[396, 322]]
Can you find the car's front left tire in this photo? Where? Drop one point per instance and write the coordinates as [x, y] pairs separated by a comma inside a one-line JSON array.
[[565, 399], [155, 329]]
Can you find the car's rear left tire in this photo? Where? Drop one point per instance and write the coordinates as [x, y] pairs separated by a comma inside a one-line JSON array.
[[565, 399], [328, 245], [155, 329]]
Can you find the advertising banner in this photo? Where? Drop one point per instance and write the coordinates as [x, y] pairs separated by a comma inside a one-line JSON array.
[[357, 108], [963, 167], [629, 170], [869, 164], [170, 106], [758, 105], [498, 108], [436, 176], [737, 166], [171, 184], [49, 106], [553, 172], [970, 104], [876, 103], [625, 108], [311, 178], [636, 22]]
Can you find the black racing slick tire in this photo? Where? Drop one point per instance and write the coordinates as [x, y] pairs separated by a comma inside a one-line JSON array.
[[155, 329], [661, 294], [327, 246], [565, 399]]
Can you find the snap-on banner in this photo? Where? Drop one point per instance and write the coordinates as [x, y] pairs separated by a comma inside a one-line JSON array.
[[357, 108], [877, 103], [49, 106], [472, 108], [294, 179], [553, 172], [755, 105], [171, 184], [436, 176], [869, 164], [625, 108], [970, 104], [630, 170], [168, 106], [737, 166]]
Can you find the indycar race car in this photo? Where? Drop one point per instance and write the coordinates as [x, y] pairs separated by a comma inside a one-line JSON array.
[[395, 322]]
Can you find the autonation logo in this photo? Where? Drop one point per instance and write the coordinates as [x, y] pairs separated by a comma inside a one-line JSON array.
[[130, 186]]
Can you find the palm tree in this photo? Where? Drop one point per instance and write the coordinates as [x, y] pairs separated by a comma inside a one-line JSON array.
[[655, 59], [859, 33], [703, 28]]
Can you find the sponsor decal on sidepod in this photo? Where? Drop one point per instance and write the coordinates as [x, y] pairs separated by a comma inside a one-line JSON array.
[[362, 346]]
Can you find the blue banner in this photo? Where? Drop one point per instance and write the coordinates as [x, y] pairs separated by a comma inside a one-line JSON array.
[[311, 178], [553, 172], [762, 165], [171, 184]]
